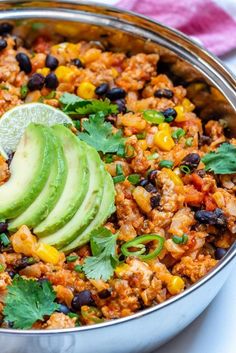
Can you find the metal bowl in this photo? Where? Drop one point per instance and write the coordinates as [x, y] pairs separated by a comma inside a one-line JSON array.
[[187, 62]]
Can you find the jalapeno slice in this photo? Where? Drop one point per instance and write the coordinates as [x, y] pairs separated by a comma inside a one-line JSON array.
[[139, 244]]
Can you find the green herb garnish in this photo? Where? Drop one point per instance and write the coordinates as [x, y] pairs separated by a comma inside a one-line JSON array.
[[221, 161], [98, 134], [104, 260], [28, 301], [74, 105]]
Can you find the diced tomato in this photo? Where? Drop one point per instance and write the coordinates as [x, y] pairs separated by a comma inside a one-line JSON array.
[[42, 44], [210, 203], [197, 181], [193, 197]]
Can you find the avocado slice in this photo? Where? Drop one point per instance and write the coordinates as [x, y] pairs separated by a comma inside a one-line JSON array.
[[29, 170], [51, 192], [90, 205], [106, 209], [75, 187]]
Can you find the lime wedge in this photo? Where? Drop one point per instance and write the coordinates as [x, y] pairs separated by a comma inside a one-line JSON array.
[[14, 122]]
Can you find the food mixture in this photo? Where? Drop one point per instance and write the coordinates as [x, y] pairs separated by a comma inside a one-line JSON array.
[[114, 195]]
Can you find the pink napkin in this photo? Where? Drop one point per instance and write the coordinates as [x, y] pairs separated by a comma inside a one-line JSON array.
[[202, 19]]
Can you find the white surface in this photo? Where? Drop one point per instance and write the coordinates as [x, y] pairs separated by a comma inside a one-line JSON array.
[[215, 330]]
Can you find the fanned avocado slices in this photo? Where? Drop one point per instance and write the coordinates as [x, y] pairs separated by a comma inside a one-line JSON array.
[[106, 209], [75, 187], [51, 192], [29, 170], [90, 205]]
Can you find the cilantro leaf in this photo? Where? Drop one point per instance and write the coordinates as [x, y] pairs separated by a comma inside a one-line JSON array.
[[221, 161], [28, 301], [72, 104], [99, 135], [101, 265]]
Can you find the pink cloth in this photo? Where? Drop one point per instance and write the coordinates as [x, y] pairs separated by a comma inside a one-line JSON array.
[[202, 19]]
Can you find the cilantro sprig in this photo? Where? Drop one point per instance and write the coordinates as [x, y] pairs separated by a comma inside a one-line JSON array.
[[104, 260], [28, 301], [98, 134], [74, 105], [221, 161]]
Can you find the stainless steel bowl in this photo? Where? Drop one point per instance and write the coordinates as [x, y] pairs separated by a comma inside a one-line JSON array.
[[187, 61]]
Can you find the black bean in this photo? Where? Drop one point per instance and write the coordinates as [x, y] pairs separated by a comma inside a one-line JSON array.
[[104, 294], [121, 105], [77, 62], [3, 227], [201, 172], [219, 253], [150, 188], [152, 175], [143, 182], [36, 82], [116, 93], [163, 93], [3, 44], [12, 274], [192, 160], [155, 200], [215, 218], [5, 28], [204, 140], [24, 262], [82, 298], [51, 81], [170, 112], [102, 89], [24, 62], [51, 62], [63, 309]]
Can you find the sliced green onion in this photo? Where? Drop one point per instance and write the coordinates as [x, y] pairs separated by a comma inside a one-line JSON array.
[[118, 179], [169, 119], [185, 169], [121, 151], [24, 91], [108, 158], [178, 133], [77, 124], [4, 239], [166, 164], [37, 25], [129, 151], [153, 116], [31, 261], [141, 136], [71, 258], [189, 142], [51, 95], [119, 169], [180, 239], [78, 268], [2, 267], [152, 156], [142, 250], [134, 178]]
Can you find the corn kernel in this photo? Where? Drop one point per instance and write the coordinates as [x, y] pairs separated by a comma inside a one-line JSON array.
[[180, 114], [143, 144], [64, 74], [188, 106], [175, 285], [164, 127], [67, 30], [91, 55], [173, 176], [45, 71], [114, 72], [121, 269], [86, 90], [142, 197], [48, 253], [163, 140], [219, 199], [23, 241]]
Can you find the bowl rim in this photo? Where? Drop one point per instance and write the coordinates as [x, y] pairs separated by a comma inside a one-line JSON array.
[[231, 254]]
